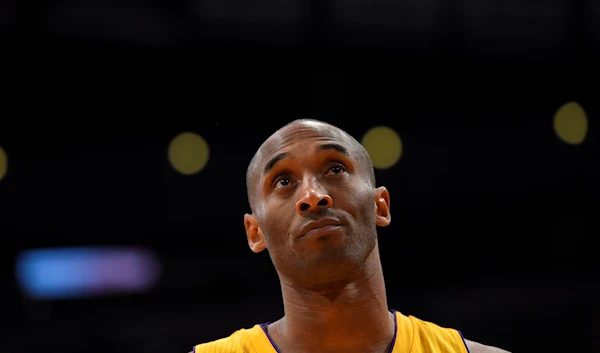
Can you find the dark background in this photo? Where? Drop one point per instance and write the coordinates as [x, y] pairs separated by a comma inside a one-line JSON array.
[[494, 216]]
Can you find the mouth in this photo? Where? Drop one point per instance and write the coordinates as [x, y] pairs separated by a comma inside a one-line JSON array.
[[321, 227]]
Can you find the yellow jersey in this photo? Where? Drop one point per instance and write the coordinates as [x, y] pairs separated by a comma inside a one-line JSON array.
[[412, 335]]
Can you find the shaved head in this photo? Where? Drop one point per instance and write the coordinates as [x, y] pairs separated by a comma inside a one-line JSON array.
[[285, 132]]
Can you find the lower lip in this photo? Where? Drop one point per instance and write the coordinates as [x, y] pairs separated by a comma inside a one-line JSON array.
[[321, 231]]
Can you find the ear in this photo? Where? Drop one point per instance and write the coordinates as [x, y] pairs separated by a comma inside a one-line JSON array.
[[256, 238], [382, 207]]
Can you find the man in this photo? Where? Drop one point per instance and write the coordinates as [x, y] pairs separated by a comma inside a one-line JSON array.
[[315, 208]]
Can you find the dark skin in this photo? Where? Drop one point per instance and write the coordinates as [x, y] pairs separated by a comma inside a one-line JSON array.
[[331, 279]]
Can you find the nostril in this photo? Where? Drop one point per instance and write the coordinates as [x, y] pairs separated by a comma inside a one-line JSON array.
[[304, 207], [323, 202]]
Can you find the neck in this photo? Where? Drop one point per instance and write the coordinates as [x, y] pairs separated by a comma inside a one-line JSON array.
[[345, 316]]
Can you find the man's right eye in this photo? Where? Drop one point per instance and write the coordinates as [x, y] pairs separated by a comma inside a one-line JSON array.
[[282, 181]]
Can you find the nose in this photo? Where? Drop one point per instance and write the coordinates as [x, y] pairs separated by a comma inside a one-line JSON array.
[[313, 199]]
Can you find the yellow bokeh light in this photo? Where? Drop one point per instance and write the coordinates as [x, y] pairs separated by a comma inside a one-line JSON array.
[[188, 153], [383, 145], [3, 163], [571, 123]]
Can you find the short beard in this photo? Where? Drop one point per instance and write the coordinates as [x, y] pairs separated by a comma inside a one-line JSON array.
[[339, 265]]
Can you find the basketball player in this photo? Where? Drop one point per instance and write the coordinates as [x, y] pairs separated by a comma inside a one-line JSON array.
[[315, 209]]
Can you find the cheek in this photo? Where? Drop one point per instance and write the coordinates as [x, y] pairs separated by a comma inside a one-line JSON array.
[[275, 224], [358, 204]]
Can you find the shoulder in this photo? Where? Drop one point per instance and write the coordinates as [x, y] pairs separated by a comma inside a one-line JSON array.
[[235, 343], [429, 333], [475, 347]]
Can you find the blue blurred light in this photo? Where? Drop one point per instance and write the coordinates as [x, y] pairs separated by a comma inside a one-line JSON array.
[[86, 271]]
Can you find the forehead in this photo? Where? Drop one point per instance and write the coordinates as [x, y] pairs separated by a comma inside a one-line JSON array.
[[304, 132]]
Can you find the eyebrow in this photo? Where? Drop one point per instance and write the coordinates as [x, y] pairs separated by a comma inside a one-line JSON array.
[[327, 146], [271, 163]]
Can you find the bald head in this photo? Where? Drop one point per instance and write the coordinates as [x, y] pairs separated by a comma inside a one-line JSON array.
[[295, 130]]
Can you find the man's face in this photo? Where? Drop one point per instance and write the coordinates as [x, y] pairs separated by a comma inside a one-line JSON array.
[[309, 176]]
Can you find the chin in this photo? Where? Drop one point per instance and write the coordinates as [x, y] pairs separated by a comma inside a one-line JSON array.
[[333, 266], [333, 262]]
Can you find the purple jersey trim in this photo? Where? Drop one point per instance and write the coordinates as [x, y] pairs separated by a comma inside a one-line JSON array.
[[395, 330], [264, 328], [465, 342]]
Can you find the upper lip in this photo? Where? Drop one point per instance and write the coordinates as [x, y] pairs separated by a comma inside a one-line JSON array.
[[318, 224]]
